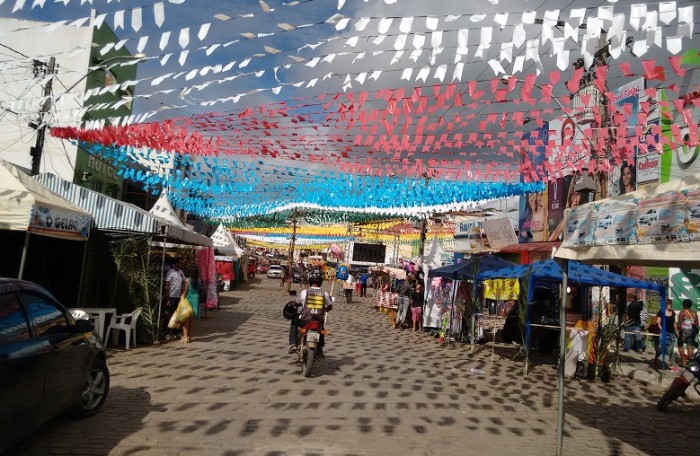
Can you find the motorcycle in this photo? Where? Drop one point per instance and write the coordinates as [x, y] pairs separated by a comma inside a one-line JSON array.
[[681, 383], [310, 336]]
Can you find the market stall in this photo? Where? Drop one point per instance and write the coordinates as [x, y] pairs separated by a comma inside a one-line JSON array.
[[449, 296], [28, 207]]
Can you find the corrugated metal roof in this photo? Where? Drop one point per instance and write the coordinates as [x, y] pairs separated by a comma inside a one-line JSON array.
[[108, 213]]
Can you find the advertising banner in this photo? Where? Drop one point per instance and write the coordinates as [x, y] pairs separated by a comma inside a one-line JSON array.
[[626, 99], [468, 237], [692, 207], [58, 222], [662, 218], [501, 289], [616, 223], [532, 221], [579, 226]]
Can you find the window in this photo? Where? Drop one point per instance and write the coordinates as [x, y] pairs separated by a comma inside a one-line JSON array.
[[47, 316], [13, 322]]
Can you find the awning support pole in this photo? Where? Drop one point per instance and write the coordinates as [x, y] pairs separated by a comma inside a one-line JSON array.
[[23, 261], [160, 288], [562, 353], [82, 274]]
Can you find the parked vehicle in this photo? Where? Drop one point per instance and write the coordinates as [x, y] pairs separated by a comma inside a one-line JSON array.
[[275, 271], [690, 375], [649, 217], [297, 275], [49, 362]]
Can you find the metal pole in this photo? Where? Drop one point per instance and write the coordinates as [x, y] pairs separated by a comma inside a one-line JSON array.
[[23, 261], [291, 249], [562, 353], [160, 289], [82, 274]]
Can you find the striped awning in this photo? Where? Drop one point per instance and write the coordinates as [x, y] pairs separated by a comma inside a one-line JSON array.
[[108, 213]]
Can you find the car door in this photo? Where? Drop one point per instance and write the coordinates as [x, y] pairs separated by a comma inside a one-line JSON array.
[[22, 371], [66, 353]]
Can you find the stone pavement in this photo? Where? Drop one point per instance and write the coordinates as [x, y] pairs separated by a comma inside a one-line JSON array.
[[381, 391]]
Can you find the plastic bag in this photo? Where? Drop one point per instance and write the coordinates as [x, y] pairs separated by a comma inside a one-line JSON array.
[[184, 310], [173, 323]]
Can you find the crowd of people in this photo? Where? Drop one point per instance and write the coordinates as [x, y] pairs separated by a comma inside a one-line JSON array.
[[681, 333]]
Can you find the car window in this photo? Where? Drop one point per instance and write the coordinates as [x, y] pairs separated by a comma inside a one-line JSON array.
[[48, 317], [13, 322]]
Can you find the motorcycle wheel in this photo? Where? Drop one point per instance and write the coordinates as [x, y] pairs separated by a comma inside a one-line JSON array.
[[309, 361], [669, 396]]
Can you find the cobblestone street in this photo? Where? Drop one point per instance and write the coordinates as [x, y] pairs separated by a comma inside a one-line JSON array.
[[381, 391]]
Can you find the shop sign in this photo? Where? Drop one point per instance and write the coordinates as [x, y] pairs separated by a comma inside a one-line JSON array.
[[58, 222]]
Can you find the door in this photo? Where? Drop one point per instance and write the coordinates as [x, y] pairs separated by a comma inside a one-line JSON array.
[[22, 371], [66, 353]]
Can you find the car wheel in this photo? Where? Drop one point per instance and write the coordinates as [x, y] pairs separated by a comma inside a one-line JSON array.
[[95, 391]]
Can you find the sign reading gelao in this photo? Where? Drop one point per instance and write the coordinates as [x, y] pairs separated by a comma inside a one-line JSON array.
[[57, 222]]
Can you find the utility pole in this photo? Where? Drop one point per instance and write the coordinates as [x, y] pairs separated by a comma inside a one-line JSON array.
[[38, 148], [291, 249]]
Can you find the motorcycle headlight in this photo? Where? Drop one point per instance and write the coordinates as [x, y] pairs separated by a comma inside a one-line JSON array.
[[694, 367]]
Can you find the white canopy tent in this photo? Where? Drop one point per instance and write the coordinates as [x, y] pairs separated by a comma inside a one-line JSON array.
[[26, 205], [174, 226], [224, 243]]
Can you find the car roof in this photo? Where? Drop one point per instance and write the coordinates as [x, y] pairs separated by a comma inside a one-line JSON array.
[[275, 266], [8, 284]]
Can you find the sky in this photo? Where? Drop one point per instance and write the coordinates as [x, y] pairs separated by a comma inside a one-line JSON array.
[[402, 95]]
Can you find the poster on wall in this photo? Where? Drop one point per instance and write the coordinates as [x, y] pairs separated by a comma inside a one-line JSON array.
[[568, 147], [616, 223], [532, 223], [662, 218], [623, 178], [648, 156]]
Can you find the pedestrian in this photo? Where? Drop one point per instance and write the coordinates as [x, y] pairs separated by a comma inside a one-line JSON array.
[[191, 291], [417, 307], [670, 341], [687, 334], [633, 324], [405, 293], [174, 283], [284, 276], [364, 278], [349, 286], [194, 290]]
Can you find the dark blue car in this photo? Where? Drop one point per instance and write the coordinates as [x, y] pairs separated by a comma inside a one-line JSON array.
[[49, 362]]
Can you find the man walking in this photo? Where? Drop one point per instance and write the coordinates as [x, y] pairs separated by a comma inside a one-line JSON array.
[[364, 277]]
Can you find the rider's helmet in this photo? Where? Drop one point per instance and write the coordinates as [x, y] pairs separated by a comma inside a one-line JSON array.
[[315, 278], [289, 310]]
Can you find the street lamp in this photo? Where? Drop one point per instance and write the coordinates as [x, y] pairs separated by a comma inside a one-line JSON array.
[[37, 151]]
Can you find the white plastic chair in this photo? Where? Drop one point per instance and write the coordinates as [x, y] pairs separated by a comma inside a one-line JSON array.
[[126, 323]]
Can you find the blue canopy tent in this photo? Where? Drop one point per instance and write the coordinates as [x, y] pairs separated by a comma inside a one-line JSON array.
[[461, 271], [466, 271], [549, 271]]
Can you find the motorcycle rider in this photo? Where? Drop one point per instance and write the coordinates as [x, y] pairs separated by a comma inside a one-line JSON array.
[[313, 303]]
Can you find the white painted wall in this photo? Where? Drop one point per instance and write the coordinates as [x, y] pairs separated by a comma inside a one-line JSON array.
[[20, 92]]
